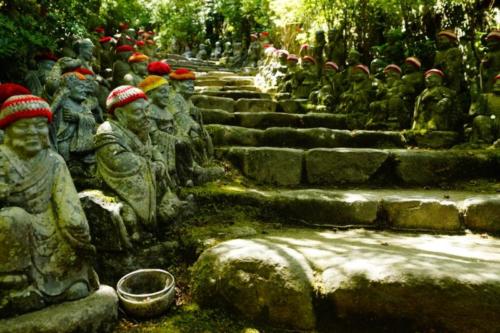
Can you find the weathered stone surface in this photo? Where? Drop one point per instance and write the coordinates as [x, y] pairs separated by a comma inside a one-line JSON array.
[[264, 120], [306, 138], [482, 214], [201, 82], [238, 81], [380, 139], [237, 94], [425, 167], [213, 102], [433, 139], [292, 106], [234, 135], [342, 165], [255, 105], [214, 116], [421, 213], [241, 88], [258, 279], [97, 313], [424, 282], [279, 166], [336, 121]]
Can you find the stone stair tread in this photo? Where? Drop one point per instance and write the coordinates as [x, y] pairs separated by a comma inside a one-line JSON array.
[[429, 281], [401, 209], [239, 94]]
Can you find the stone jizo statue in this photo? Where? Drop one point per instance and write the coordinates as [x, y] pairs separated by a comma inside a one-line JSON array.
[[139, 68], [121, 66], [486, 123], [45, 246]]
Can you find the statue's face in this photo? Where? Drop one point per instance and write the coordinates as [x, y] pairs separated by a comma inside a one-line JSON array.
[[185, 87], [159, 96], [330, 73], [392, 75], [44, 68], [140, 68], [27, 137], [291, 64], [432, 81], [493, 44], [358, 76], [78, 91], [409, 68], [443, 43], [133, 116], [86, 50]]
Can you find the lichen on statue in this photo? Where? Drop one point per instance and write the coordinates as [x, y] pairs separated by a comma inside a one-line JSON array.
[[486, 112], [307, 78], [356, 100], [325, 95], [45, 244]]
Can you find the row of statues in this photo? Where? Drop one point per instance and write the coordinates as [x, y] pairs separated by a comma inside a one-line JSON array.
[[387, 96], [124, 125]]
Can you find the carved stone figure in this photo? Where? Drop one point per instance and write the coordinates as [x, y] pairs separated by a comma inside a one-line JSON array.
[[289, 81], [45, 244], [238, 57], [84, 49], [449, 59], [490, 64], [74, 124], [106, 56], [202, 53], [121, 66], [307, 78], [355, 102], [486, 123], [35, 79], [319, 46], [129, 166], [139, 69], [325, 97], [393, 50], [335, 49], [280, 70], [435, 106], [390, 110], [254, 51], [413, 80], [217, 52]]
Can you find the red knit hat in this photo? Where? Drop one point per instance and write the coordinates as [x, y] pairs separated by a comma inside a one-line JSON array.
[[106, 39], [434, 71], [140, 43], [309, 59], [124, 48], [362, 68], [493, 35], [159, 68], [84, 71], [331, 64], [12, 89], [392, 68], [99, 30], [182, 74], [264, 33], [414, 61], [138, 57], [23, 107], [449, 34], [123, 26], [292, 58], [304, 47], [122, 96], [496, 77]]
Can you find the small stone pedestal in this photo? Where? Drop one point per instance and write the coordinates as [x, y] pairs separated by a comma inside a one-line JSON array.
[[97, 313]]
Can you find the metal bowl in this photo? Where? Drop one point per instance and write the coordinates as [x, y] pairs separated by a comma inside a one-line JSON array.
[[146, 293]]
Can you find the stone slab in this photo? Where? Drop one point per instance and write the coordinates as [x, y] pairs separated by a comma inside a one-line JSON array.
[[235, 95], [342, 165], [433, 139], [254, 105], [482, 213], [214, 116], [97, 313], [267, 165], [263, 120], [427, 283], [213, 102], [336, 121], [234, 135]]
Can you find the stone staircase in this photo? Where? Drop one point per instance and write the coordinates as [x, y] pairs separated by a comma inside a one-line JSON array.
[[324, 182]]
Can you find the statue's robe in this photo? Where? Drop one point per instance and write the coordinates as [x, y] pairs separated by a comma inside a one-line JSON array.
[[45, 233], [125, 164]]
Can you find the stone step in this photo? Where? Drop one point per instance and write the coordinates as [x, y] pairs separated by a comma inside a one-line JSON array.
[[238, 94], [223, 135], [307, 279], [446, 211], [202, 90], [225, 81], [342, 166]]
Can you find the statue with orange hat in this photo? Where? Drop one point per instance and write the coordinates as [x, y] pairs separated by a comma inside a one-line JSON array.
[[435, 106], [45, 246], [138, 69]]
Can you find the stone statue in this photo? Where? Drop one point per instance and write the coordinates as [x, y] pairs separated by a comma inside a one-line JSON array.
[[335, 49], [202, 53], [74, 124], [490, 64], [390, 111], [84, 49], [289, 81], [326, 95], [307, 78], [435, 106], [279, 72], [377, 67], [35, 79], [130, 168], [238, 57], [139, 69], [254, 51], [486, 112], [393, 50], [121, 66], [63, 65], [45, 244], [217, 52], [106, 56], [413, 79], [188, 53], [449, 60], [319, 46], [355, 101]]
